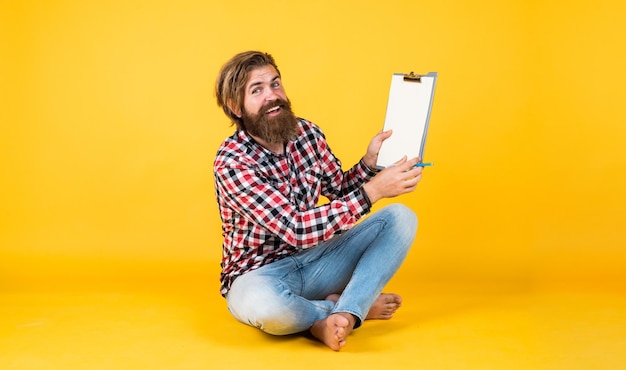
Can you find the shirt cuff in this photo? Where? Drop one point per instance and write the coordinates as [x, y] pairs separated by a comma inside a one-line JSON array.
[[367, 199], [363, 204], [369, 172]]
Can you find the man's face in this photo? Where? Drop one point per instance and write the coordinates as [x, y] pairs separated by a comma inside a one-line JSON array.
[[266, 109]]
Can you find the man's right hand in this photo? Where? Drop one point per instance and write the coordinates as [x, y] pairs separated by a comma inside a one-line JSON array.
[[401, 178]]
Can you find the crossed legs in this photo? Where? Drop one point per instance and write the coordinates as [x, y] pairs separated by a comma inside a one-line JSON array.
[[299, 293]]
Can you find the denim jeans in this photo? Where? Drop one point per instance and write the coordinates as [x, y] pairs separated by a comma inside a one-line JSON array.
[[288, 296]]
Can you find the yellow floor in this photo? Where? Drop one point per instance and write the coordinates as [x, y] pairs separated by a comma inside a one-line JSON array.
[[440, 326]]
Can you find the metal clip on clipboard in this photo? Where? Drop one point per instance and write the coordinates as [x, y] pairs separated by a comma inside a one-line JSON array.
[[412, 77]]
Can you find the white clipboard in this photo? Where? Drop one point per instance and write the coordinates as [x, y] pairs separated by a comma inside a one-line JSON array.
[[408, 114]]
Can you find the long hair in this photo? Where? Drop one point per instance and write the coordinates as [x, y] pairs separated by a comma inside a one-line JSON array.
[[231, 81]]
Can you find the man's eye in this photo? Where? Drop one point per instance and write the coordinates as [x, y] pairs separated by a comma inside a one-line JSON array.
[[275, 84], [256, 91]]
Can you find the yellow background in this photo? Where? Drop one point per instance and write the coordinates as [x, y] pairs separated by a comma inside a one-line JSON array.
[[109, 128]]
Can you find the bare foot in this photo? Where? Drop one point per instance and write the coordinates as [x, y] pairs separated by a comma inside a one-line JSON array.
[[333, 330], [384, 307]]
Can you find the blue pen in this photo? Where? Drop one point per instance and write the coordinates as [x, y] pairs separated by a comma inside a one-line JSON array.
[[423, 164]]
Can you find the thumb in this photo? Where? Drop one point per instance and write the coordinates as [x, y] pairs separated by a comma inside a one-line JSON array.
[[384, 135]]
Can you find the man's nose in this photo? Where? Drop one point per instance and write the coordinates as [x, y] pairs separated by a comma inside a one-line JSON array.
[[270, 95]]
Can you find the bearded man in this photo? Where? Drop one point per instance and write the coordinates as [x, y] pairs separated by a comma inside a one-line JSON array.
[[289, 264]]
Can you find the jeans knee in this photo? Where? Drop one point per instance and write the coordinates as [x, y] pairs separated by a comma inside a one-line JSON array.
[[262, 308], [402, 216]]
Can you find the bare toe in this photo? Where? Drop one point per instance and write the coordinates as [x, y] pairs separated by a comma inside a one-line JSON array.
[[333, 330], [384, 307]]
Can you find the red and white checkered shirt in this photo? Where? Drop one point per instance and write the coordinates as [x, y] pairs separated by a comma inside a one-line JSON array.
[[269, 203]]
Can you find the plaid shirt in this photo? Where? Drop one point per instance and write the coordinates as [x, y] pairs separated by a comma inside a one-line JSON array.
[[269, 203]]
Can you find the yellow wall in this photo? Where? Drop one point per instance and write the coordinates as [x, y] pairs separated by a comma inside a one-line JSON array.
[[581, 132], [109, 128]]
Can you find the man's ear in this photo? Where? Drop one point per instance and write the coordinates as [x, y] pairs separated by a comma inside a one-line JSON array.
[[233, 108]]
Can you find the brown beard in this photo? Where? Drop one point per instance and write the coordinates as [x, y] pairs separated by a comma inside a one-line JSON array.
[[274, 130]]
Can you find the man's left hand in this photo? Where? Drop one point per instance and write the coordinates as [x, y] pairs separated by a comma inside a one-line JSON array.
[[371, 157]]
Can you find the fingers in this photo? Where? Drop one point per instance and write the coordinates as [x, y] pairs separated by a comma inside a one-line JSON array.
[[400, 162], [412, 174], [412, 182], [400, 178], [373, 148], [405, 164]]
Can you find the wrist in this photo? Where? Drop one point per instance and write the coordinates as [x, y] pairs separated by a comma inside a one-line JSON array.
[[371, 193]]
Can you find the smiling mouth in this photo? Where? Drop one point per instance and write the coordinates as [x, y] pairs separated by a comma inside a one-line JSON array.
[[273, 110]]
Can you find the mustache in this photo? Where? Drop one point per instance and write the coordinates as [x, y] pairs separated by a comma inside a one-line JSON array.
[[285, 104]]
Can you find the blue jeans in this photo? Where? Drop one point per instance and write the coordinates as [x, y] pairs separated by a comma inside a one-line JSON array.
[[288, 296]]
